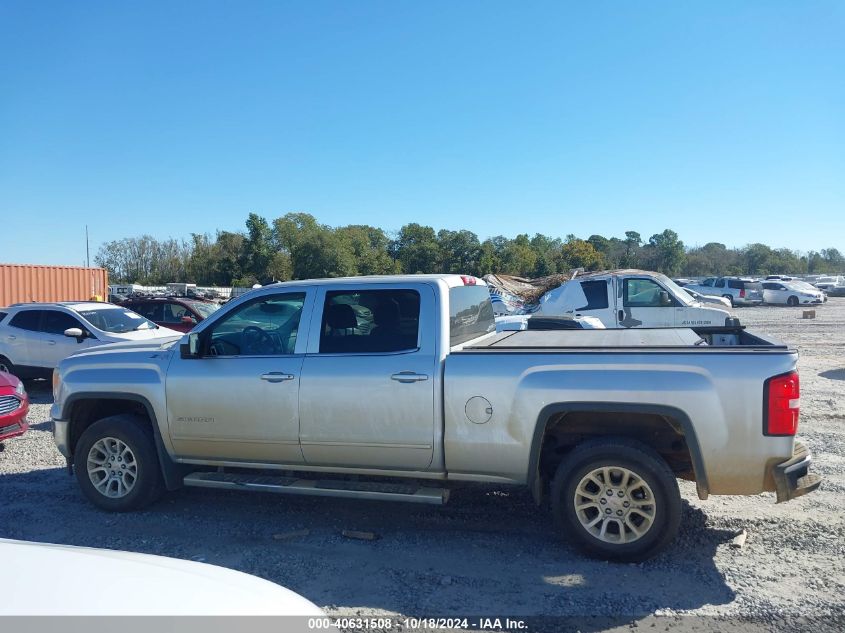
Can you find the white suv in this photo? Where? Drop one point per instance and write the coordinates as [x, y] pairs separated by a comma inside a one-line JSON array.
[[34, 337]]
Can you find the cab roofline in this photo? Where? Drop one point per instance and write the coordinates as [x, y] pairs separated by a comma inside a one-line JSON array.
[[450, 280]]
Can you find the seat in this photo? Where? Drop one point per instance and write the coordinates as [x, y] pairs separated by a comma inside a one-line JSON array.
[[341, 317], [387, 319]]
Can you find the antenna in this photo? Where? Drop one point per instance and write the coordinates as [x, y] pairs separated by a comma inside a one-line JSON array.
[[87, 252]]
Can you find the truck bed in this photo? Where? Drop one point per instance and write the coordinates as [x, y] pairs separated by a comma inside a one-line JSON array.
[[719, 339]]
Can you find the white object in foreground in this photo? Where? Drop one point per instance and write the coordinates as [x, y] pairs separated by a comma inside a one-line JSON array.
[[133, 584]]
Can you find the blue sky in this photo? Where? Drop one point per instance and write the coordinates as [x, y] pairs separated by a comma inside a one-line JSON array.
[[722, 120]]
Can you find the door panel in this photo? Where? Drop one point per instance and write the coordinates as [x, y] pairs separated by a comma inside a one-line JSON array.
[[23, 338], [371, 409], [55, 346], [240, 401], [598, 301], [222, 408]]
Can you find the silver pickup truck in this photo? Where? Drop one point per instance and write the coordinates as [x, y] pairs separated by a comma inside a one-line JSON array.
[[398, 387]]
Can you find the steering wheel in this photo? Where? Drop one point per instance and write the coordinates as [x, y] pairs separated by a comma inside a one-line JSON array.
[[257, 341]]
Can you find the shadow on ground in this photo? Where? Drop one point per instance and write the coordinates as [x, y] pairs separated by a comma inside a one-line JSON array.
[[489, 552], [833, 374]]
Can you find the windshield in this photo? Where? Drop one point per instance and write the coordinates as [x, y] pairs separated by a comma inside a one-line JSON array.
[[116, 320], [675, 289], [800, 285], [205, 309]]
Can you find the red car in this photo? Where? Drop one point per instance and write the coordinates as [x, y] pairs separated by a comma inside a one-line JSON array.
[[14, 405], [172, 312]]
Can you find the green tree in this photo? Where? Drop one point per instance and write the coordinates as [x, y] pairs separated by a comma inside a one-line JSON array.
[[489, 261], [369, 247], [630, 258], [518, 258], [668, 252], [460, 252], [417, 249], [258, 249], [758, 260], [577, 253], [323, 254]]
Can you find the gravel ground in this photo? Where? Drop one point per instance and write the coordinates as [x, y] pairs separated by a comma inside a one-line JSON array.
[[491, 552]]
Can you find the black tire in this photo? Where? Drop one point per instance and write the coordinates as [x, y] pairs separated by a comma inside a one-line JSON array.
[[645, 464], [792, 301], [7, 366], [135, 432], [730, 299]]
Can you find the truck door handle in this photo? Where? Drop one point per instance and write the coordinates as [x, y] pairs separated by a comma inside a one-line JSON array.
[[276, 376], [621, 315], [408, 376], [51, 342], [11, 337]]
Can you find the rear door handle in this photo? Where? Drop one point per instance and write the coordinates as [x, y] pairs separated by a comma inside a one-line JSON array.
[[276, 376], [408, 376], [621, 316], [51, 342]]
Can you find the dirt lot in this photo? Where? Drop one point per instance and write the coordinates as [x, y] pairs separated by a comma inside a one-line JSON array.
[[490, 552]]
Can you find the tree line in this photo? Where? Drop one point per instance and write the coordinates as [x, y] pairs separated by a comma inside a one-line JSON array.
[[297, 246]]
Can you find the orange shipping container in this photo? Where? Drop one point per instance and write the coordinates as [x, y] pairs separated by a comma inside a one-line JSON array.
[[21, 283]]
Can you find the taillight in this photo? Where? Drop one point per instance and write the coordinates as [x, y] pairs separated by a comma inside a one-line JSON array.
[[780, 404], [742, 294], [468, 281]]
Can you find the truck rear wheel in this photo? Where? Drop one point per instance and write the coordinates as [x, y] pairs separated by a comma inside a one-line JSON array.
[[116, 464], [617, 499]]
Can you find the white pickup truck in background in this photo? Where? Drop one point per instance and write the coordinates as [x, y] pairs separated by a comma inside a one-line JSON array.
[[631, 299]]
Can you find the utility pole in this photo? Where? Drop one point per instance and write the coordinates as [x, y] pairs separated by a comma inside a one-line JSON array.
[[87, 252]]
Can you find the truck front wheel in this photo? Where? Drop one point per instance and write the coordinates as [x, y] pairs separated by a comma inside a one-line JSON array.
[[617, 499], [116, 464]]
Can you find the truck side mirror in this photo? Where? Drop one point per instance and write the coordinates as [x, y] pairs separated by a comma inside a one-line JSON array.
[[665, 300], [189, 320], [75, 332], [191, 349]]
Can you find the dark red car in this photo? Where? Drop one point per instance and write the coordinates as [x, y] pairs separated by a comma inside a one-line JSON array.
[[176, 313], [14, 405]]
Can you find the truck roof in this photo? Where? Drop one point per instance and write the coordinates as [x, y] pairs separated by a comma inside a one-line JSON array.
[[617, 272], [450, 280]]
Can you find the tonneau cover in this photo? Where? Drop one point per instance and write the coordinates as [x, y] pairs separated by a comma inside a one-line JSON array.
[[640, 337]]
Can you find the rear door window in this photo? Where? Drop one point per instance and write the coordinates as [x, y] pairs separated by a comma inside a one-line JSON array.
[[151, 310], [596, 293], [737, 284], [370, 321], [27, 320]]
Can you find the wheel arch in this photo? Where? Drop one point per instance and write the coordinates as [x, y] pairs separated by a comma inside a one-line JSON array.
[[85, 408], [556, 413]]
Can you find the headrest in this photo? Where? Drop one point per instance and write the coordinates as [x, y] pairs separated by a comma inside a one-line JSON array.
[[341, 316]]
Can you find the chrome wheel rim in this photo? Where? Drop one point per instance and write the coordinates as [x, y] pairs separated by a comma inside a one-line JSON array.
[[615, 505], [112, 467]]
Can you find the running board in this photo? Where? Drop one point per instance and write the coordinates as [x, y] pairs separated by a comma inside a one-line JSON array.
[[321, 488]]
